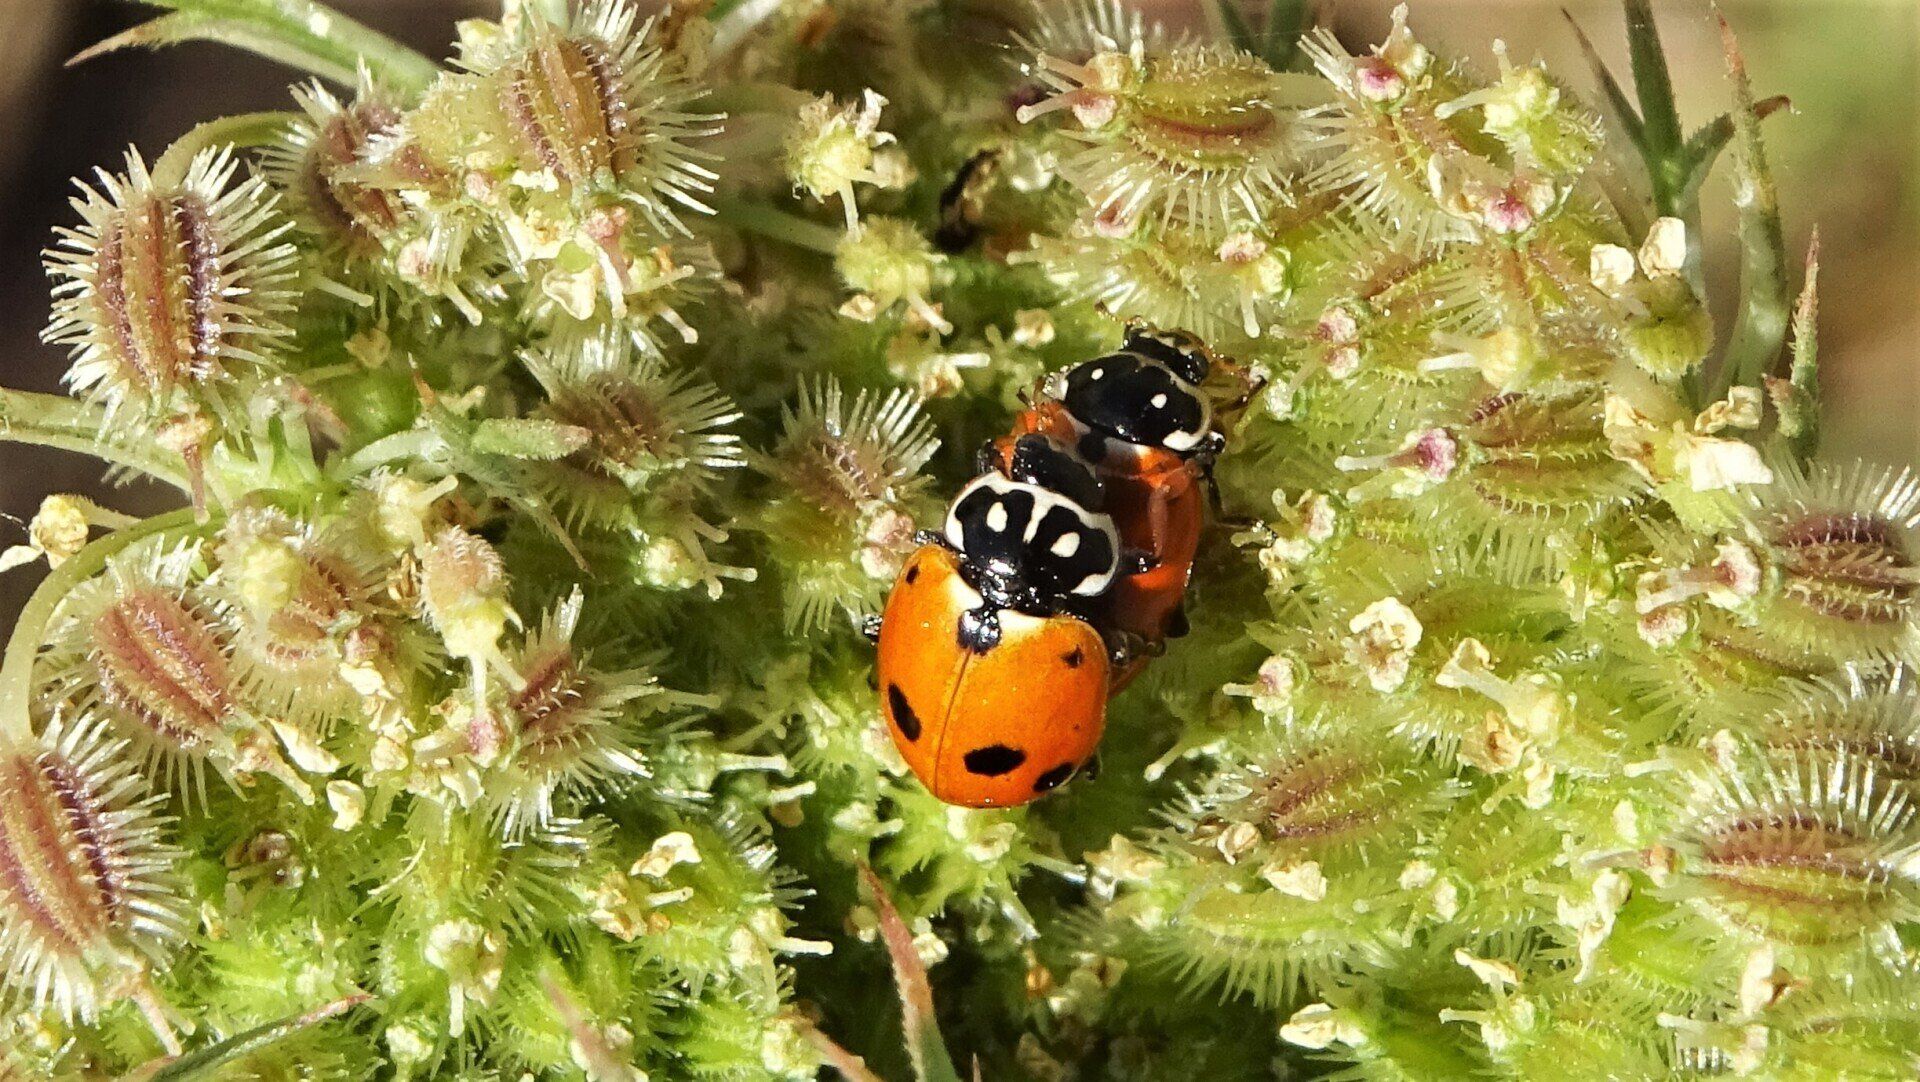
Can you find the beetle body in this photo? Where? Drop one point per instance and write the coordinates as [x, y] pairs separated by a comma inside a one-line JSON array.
[[1140, 419], [992, 675], [994, 727]]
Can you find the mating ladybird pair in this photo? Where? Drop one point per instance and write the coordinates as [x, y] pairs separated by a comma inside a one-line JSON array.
[[1060, 571]]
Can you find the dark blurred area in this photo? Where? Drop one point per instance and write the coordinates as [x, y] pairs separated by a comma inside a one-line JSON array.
[[1848, 159]]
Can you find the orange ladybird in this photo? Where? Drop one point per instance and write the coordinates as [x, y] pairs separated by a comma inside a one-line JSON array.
[[993, 680]]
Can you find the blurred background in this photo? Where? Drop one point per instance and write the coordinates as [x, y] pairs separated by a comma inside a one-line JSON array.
[[1847, 159]]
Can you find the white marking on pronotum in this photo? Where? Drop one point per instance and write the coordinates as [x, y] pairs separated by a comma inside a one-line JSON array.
[[1066, 545], [1044, 501], [1160, 401], [997, 517]]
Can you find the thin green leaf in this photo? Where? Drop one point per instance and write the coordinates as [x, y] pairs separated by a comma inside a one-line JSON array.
[[1760, 328], [1796, 399], [203, 1064], [1651, 82], [1280, 38], [1619, 108], [299, 33], [1235, 21], [1704, 147], [925, 1046], [528, 438]]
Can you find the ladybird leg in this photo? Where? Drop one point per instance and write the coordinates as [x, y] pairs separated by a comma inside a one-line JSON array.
[[987, 458], [1091, 770], [1177, 624], [1251, 383], [870, 627], [1135, 561], [1209, 451], [1126, 647]]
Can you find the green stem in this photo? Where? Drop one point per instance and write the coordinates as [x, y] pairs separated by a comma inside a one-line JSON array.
[[411, 443], [30, 630], [1766, 299], [1659, 114], [245, 130], [51, 420], [299, 33], [777, 224]]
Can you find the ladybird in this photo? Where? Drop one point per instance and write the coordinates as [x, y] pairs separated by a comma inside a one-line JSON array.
[[993, 679], [1140, 418]]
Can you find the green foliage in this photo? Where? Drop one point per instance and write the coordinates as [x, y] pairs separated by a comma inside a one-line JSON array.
[[547, 434]]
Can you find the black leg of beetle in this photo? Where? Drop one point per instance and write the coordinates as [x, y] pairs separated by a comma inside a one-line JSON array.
[[987, 458], [1092, 768], [1125, 647], [1135, 561], [1251, 384], [1177, 623], [870, 627]]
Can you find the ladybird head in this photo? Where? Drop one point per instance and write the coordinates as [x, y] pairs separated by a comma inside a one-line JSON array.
[[1180, 351], [1037, 532], [1137, 397]]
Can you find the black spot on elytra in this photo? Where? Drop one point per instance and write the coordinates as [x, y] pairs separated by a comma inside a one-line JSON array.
[[993, 760], [1052, 779], [903, 715], [1073, 657], [913, 574]]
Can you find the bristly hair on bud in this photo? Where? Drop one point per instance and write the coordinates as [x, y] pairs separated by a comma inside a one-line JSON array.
[[139, 648], [1841, 548], [1170, 278], [1386, 148], [292, 594], [1814, 854], [318, 164], [574, 728], [651, 429], [595, 107], [846, 473], [1195, 136], [1867, 717], [171, 292], [87, 900]]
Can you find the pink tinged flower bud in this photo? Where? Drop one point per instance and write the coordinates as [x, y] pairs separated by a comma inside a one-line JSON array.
[[1728, 581], [1430, 454], [1506, 213], [1377, 80], [1662, 627]]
